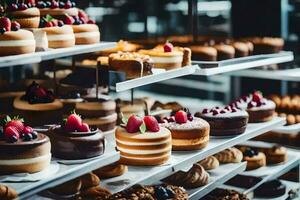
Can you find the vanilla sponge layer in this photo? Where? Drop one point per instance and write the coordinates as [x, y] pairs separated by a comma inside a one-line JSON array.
[[44, 158], [173, 59], [17, 43]]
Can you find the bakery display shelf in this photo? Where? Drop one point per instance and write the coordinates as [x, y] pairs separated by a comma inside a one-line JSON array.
[[289, 129], [283, 75], [184, 160], [65, 173], [208, 68], [217, 177], [159, 75], [53, 54]]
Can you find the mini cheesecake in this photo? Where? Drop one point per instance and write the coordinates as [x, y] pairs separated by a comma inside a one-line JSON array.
[[29, 18], [60, 37], [86, 34], [204, 53]]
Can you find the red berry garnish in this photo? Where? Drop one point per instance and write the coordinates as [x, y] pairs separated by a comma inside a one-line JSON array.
[[205, 110], [68, 5], [181, 117], [168, 47], [11, 134], [251, 104], [234, 110], [190, 118], [54, 4], [222, 111], [84, 127], [69, 20], [215, 112], [32, 2], [151, 124], [17, 124], [27, 130], [13, 7], [22, 6], [83, 16], [48, 24], [15, 26], [171, 119], [54, 23], [133, 124], [73, 123], [244, 98], [90, 21], [256, 97], [5, 23]]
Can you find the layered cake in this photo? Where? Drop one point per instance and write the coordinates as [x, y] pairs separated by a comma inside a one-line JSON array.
[[141, 141], [188, 132], [226, 121], [123, 46], [266, 45], [168, 57], [13, 40], [26, 14], [204, 53], [133, 64], [38, 106], [98, 112], [259, 108], [59, 35], [22, 150], [74, 139], [57, 9]]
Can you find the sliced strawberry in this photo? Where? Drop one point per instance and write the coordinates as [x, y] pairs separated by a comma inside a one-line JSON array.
[[133, 124], [5, 23], [48, 24], [151, 124], [73, 123], [11, 134], [181, 117], [256, 97], [17, 124], [84, 127], [69, 20]]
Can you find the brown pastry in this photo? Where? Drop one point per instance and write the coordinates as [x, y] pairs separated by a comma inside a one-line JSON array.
[[241, 49], [204, 53], [68, 188], [230, 155], [267, 45], [7, 193], [254, 159], [209, 163], [95, 193], [276, 154], [110, 171], [89, 180], [225, 51], [195, 177]]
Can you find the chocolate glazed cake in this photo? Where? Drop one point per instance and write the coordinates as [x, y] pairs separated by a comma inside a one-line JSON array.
[[76, 145], [225, 122]]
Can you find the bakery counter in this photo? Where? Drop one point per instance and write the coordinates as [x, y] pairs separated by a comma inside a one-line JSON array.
[[183, 160]]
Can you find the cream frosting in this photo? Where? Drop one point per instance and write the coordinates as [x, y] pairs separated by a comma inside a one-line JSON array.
[[241, 103], [143, 143], [46, 157], [238, 113], [87, 34], [174, 59], [150, 158], [60, 37], [196, 123], [14, 43], [145, 152]]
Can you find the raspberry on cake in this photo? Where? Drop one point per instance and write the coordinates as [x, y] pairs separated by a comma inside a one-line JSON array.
[[22, 150], [13, 40], [25, 13], [74, 139], [168, 57], [57, 9], [141, 141], [188, 132], [59, 35], [133, 64], [225, 121]]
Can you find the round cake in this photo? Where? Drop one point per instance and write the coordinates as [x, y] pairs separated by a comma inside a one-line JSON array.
[[188, 133], [224, 51], [151, 147], [28, 18], [267, 45], [225, 121], [204, 53], [86, 33], [23, 150], [75, 140], [15, 41], [98, 112]]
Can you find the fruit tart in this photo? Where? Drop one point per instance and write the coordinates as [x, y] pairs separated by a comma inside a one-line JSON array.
[[22, 150], [13, 40], [74, 139], [38, 106], [141, 141]]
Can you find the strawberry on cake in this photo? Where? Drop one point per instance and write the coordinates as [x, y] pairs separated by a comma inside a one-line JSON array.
[[85, 29], [22, 150], [25, 13], [59, 35], [74, 139], [13, 40], [168, 57], [57, 9], [141, 141]]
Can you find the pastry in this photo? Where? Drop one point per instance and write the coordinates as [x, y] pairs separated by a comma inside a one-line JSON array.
[[227, 121], [188, 132], [13, 40], [254, 158], [276, 154], [22, 150], [143, 141], [68, 188], [98, 112], [75, 140], [209, 163], [267, 45], [25, 14], [94, 193], [57, 9], [169, 57], [195, 177], [110, 171], [121, 45], [224, 194], [289, 106], [135, 65], [259, 108], [156, 192], [204, 53], [59, 35], [224, 51], [230, 155], [241, 49], [89, 180], [38, 106], [7, 193], [270, 189]]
